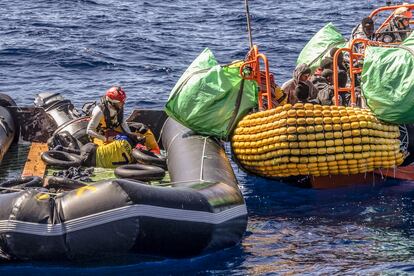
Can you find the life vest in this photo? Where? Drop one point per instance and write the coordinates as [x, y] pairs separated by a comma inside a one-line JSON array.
[[110, 123], [151, 142], [114, 154]]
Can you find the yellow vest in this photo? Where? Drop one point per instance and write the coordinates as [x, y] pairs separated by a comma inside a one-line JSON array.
[[102, 128]]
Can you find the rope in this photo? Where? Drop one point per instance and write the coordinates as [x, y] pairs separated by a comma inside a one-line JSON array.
[[405, 139], [202, 158]]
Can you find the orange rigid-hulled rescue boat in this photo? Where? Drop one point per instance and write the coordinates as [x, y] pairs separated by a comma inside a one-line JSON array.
[[330, 146]]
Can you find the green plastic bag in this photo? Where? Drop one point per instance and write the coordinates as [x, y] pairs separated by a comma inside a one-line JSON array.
[[318, 47], [209, 98], [388, 82]]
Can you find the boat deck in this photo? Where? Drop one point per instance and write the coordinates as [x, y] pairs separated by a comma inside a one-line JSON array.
[[34, 165]]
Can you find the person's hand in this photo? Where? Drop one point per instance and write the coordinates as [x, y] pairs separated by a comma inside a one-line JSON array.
[[141, 140]]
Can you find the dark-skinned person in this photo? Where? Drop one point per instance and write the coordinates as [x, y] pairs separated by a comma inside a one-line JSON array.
[[326, 63], [324, 84], [301, 73], [364, 30], [302, 93], [341, 62]]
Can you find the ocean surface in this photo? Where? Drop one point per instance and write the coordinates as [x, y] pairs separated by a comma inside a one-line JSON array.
[[82, 47]]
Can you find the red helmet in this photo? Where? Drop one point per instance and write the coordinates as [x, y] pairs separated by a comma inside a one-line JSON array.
[[115, 94]]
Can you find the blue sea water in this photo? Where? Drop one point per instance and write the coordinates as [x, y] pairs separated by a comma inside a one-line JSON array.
[[81, 47]]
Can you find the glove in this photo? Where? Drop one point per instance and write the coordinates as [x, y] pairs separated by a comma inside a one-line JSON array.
[[121, 137], [143, 129], [141, 147], [138, 127]]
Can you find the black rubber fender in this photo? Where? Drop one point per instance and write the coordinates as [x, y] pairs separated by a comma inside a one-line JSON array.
[[140, 172], [21, 182], [5, 101], [148, 158], [64, 139], [63, 183], [61, 159]]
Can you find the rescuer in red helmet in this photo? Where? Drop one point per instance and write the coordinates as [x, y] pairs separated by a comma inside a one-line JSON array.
[[107, 123], [107, 118]]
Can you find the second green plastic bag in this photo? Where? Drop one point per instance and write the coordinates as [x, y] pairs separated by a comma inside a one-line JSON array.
[[388, 83], [209, 98], [318, 47]]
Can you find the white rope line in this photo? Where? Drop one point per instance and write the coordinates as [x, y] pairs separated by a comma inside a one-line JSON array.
[[203, 156], [404, 140]]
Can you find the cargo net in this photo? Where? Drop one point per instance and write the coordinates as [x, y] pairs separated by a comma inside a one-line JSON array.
[[307, 139], [404, 139]]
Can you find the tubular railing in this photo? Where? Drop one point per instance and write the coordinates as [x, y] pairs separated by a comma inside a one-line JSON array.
[[250, 70]]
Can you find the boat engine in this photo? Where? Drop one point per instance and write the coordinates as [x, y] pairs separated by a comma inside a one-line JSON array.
[[71, 131]]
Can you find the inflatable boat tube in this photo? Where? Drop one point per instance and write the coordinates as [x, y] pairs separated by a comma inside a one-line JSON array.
[[8, 132], [149, 158], [21, 182], [140, 172], [6, 101], [61, 159], [202, 210], [63, 183]]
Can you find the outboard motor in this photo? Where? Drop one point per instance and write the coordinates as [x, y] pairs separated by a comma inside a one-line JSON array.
[[57, 107], [72, 126]]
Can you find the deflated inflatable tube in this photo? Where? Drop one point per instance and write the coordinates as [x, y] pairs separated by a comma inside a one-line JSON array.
[[5, 101], [140, 172], [64, 183], [61, 159], [149, 158], [21, 182]]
